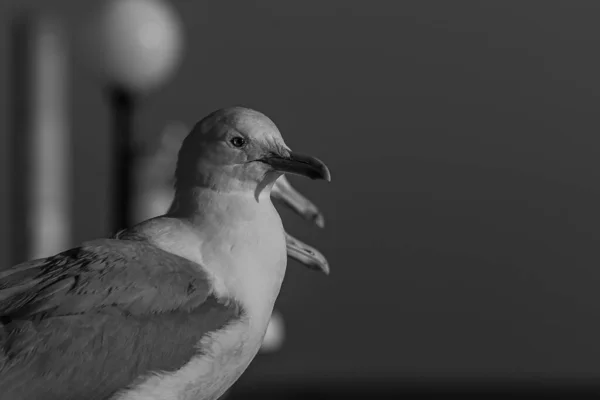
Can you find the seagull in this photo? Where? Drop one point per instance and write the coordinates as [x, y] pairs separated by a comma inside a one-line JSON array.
[[175, 307], [305, 254]]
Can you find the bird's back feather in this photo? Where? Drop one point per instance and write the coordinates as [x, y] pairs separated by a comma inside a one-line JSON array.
[[94, 319]]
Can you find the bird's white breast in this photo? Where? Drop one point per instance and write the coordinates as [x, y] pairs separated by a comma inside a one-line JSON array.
[[246, 262]]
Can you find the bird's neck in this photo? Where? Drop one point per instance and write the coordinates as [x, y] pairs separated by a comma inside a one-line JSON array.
[[198, 202], [226, 180]]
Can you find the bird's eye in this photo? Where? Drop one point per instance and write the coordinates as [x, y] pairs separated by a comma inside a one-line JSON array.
[[238, 141]]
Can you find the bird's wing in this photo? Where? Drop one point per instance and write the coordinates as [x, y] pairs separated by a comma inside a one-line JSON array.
[[89, 321]]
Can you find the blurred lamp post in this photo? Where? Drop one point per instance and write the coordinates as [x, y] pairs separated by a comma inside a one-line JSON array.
[[139, 46], [40, 153]]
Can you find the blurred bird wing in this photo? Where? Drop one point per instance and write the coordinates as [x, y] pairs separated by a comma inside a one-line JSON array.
[[94, 318], [134, 276]]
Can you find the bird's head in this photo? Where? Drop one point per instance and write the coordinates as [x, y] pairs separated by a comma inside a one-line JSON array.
[[239, 149]]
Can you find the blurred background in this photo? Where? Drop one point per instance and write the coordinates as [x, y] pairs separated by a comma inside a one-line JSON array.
[[463, 216]]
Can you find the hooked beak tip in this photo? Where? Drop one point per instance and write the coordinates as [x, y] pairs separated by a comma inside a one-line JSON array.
[[326, 174], [307, 255], [319, 267], [319, 220]]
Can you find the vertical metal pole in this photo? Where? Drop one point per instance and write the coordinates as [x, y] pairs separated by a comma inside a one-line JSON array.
[[122, 108]]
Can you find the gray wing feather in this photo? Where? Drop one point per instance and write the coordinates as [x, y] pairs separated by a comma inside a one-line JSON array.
[[89, 321]]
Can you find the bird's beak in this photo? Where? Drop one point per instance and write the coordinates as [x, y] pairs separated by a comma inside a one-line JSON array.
[[286, 194], [307, 255], [299, 164]]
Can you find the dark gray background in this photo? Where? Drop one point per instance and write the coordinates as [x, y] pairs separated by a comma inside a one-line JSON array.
[[463, 217]]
